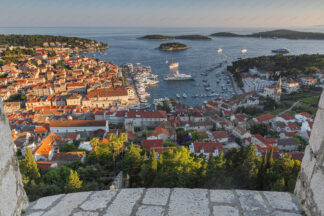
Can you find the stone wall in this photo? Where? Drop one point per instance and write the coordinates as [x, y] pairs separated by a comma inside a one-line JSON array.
[[13, 198], [310, 183]]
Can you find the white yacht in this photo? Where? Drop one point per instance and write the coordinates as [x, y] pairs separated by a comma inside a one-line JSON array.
[[184, 95], [178, 76], [178, 96], [220, 50], [281, 51], [243, 51]]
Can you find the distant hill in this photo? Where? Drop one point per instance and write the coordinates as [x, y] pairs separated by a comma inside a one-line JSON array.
[[183, 37], [281, 33], [30, 41], [172, 46]]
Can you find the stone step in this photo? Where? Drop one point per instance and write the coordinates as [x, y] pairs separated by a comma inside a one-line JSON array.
[[166, 201]]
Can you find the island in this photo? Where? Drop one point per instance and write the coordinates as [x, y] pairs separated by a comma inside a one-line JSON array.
[[182, 37], [172, 46], [280, 33], [29, 41]]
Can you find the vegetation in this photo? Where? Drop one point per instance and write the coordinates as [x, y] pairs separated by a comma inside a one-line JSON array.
[[280, 33], [183, 37], [241, 169], [172, 46], [30, 41], [290, 66], [95, 173]]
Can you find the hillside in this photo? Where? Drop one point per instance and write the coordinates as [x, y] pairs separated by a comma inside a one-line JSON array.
[[281, 33], [183, 37], [38, 40]]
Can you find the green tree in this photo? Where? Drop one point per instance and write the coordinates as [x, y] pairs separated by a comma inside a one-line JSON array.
[[74, 183], [30, 168], [250, 166], [131, 163], [148, 170]]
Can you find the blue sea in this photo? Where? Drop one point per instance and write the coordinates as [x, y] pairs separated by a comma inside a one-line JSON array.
[[126, 48]]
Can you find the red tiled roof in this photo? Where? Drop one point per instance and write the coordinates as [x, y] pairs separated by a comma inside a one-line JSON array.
[[220, 134], [149, 144], [146, 114], [160, 150], [286, 117], [208, 147], [264, 117]]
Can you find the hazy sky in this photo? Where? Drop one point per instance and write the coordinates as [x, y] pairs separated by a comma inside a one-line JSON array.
[[162, 13]]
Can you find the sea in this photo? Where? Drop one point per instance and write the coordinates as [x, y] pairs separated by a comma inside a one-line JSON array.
[[202, 59]]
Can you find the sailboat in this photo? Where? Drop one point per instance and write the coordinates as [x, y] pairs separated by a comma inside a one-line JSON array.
[[166, 60]]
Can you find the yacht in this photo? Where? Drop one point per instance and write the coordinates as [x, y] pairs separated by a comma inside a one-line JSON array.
[[178, 76], [220, 50], [243, 51], [184, 95], [281, 51], [178, 96]]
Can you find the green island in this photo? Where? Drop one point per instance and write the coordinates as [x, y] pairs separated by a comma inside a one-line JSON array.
[[280, 33], [172, 46], [290, 66], [30, 41], [183, 37]]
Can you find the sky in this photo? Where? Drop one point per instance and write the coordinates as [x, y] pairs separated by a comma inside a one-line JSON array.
[[161, 13]]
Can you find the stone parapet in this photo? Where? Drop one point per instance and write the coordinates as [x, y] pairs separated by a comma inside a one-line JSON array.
[[166, 201], [310, 183], [13, 198]]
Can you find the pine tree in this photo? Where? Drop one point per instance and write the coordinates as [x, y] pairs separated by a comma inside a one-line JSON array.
[[30, 166], [250, 166], [74, 183]]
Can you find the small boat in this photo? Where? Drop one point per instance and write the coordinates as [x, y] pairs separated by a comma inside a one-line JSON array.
[[184, 95], [220, 50], [207, 89], [166, 60], [243, 51], [178, 96]]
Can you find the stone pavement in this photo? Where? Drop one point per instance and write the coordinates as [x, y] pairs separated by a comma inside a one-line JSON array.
[[165, 201]]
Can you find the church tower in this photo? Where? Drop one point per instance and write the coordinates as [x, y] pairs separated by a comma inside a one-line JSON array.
[[279, 90]]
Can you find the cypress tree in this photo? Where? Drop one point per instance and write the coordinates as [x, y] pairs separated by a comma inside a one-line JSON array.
[[30, 165], [74, 183], [270, 161], [153, 161]]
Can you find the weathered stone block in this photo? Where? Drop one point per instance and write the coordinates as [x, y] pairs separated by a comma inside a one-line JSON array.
[[145, 210], [321, 102], [67, 204], [280, 213], [308, 163], [124, 202], [317, 186], [188, 202], [86, 214], [156, 196], [252, 201], [98, 200], [46, 202], [222, 196], [317, 137], [225, 211], [282, 201]]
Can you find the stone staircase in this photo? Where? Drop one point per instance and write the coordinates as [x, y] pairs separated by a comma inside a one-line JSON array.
[[165, 201]]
